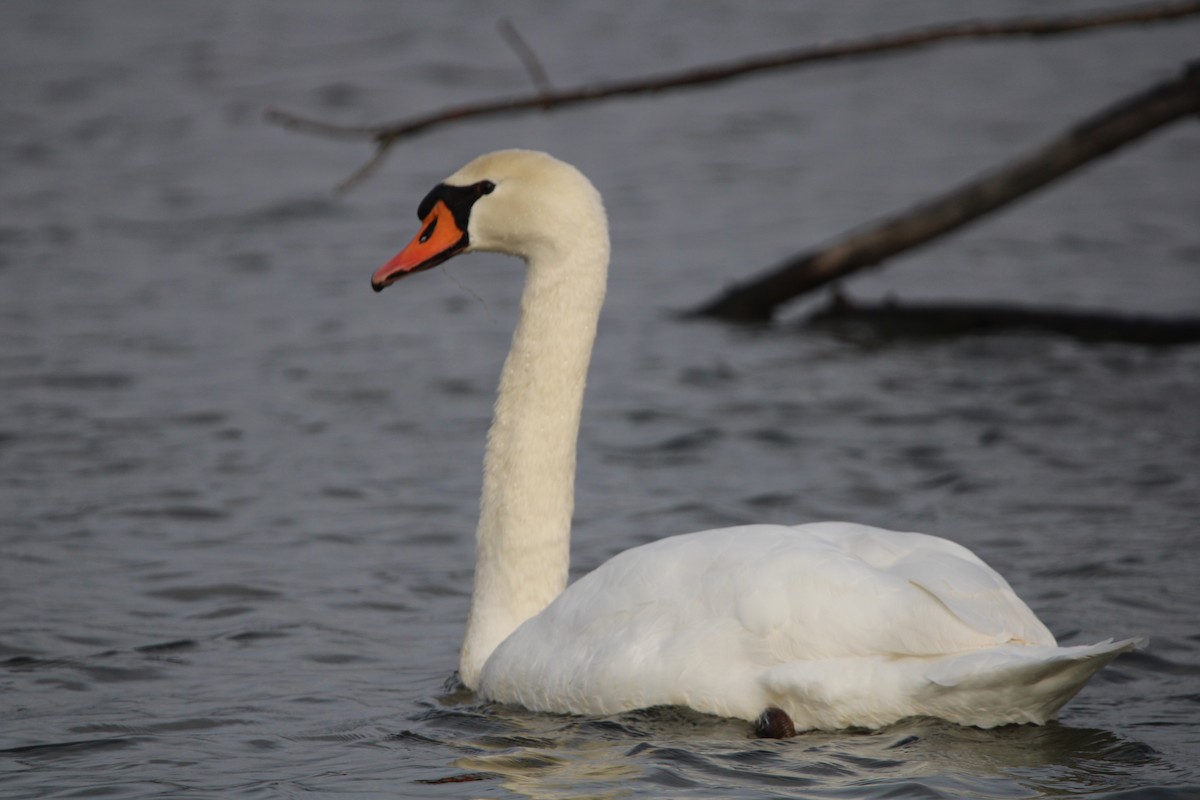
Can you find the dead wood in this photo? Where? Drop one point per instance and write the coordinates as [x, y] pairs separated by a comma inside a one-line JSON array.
[[1114, 127], [894, 320]]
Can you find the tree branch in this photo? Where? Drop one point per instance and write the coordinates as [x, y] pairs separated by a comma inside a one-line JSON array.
[[1112, 128], [529, 59], [386, 135]]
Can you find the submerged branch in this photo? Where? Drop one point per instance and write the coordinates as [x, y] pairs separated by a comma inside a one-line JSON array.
[[894, 320]]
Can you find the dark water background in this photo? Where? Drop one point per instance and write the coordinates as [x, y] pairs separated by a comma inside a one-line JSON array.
[[238, 489]]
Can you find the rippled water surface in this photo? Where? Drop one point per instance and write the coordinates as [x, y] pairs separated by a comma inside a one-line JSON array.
[[238, 489]]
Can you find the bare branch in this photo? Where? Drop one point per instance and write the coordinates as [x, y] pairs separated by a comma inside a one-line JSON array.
[[384, 135], [368, 169], [1116, 126], [528, 58], [292, 122]]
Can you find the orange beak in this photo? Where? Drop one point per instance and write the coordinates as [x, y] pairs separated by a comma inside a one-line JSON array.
[[440, 240]]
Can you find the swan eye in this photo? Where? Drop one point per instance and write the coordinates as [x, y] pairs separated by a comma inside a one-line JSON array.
[[485, 187], [429, 231]]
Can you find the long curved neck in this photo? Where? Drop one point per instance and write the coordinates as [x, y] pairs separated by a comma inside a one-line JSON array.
[[523, 540]]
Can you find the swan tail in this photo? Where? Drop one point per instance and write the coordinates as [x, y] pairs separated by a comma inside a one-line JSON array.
[[1004, 685], [1015, 683]]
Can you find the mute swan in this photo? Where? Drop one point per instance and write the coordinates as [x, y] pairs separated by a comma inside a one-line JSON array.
[[826, 625]]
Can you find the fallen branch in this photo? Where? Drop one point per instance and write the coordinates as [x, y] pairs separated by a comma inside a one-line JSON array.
[[386, 135], [894, 320], [757, 299]]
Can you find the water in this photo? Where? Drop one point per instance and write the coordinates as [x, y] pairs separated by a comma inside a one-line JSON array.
[[238, 488]]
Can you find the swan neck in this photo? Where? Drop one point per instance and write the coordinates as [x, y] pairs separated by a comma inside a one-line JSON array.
[[523, 538]]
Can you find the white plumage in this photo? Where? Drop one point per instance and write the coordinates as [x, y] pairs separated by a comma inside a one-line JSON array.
[[836, 624]]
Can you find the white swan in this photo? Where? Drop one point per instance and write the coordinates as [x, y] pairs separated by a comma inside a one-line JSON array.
[[826, 625]]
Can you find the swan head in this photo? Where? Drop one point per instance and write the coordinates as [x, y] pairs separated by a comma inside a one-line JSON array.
[[518, 202]]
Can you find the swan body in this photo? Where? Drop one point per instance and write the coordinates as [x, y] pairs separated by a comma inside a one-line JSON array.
[[833, 624], [839, 625]]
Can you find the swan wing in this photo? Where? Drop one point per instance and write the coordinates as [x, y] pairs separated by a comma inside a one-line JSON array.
[[698, 619]]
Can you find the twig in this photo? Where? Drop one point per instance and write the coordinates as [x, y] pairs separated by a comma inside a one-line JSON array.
[[366, 170], [386, 135], [1133, 117], [528, 58]]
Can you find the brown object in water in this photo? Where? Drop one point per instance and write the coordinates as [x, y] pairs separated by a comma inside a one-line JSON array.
[[774, 723]]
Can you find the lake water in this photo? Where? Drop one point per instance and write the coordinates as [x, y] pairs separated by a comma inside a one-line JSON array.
[[238, 489]]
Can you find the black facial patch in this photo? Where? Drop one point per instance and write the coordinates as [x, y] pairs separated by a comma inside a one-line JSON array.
[[458, 199]]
